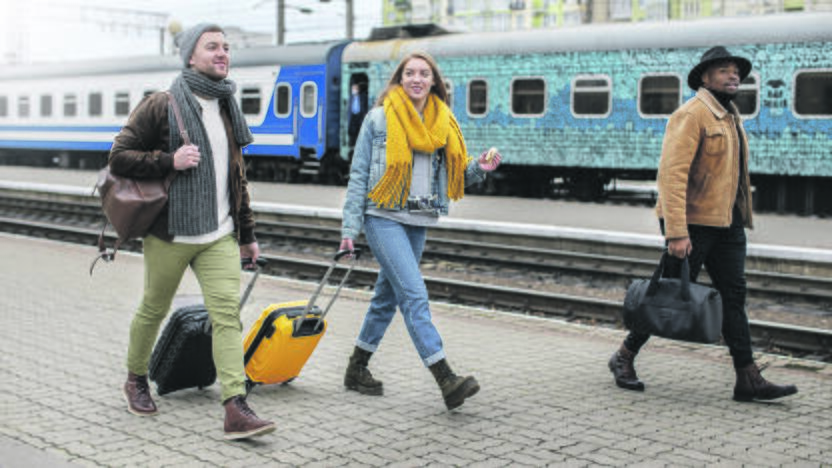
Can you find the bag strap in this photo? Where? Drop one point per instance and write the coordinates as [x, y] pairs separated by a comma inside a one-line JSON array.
[[103, 254], [176, 112], [659, 273], [685, 275]]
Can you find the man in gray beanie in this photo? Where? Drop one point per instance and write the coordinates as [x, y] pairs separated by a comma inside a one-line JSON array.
[[208, 223]]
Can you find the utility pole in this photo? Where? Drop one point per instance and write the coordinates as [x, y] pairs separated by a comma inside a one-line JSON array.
[[280, 34], [350, 15], [280, 18], [350, 19]]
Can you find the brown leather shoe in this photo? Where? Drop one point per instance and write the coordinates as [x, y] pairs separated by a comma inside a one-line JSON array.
[[752, 386], [622, 366], [241, 422], [137, 394]]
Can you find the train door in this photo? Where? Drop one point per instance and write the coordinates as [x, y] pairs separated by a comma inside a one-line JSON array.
[[310, 128], [309, 114], [357, 104]]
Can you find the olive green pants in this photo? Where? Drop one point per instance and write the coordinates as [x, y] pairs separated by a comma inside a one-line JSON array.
[[217, 268]]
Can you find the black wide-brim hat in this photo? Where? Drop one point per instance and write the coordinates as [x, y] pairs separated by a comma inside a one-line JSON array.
[[712, 56]]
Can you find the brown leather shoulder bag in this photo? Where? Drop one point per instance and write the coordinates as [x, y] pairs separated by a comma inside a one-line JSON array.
[[132, 205]]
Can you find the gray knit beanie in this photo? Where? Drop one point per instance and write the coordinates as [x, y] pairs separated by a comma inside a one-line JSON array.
[[187, 39]]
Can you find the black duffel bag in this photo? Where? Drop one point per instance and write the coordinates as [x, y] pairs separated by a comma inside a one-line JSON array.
[[673, 308]]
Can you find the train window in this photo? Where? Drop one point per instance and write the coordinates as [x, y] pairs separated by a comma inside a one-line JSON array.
[[70, 105], [748, 96], [46, 105], [591, 96], [23, 106], [449, 88], [250, 101], [477, 97], [659, 95], [4, 106], [813, 93], [122, 103], [528, 96], [95, 104], [308, 99], [282, 100]]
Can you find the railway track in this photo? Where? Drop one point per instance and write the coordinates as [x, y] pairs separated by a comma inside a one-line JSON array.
[[800, 341], [495, 251]]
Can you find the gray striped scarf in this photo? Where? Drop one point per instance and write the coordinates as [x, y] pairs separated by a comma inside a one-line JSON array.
[[192, 207]]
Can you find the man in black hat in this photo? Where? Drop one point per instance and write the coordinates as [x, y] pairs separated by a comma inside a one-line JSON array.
[[704, 206]]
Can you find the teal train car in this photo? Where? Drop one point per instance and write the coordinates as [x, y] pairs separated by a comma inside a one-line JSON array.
[[577, 107], [570, 109]]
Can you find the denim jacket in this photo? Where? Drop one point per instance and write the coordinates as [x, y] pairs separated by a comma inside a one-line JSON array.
[[369, 163]]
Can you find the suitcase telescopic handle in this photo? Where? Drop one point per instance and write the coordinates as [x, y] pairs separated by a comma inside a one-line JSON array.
[[354, 254], [259, 265]]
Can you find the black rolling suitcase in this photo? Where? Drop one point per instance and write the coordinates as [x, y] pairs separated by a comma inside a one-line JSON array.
[[182, 357]]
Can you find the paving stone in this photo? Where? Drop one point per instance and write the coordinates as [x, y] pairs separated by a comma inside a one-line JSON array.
[[533, 410]]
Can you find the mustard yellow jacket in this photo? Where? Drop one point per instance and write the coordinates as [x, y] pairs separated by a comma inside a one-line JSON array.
[[699, 168]]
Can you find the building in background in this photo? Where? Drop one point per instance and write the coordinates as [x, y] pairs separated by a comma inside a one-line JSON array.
[[512, 15]]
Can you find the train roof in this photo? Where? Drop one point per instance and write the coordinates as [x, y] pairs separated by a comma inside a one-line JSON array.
[[794, 27], [300, 54]]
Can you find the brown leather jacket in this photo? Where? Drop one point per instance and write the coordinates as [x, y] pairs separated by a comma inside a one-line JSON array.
[[142, 150], [699, 171]]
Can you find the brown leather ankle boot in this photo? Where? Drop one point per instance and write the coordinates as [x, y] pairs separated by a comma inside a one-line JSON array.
[[137, 394], [241, 422], [622, 366], [455, 389], [358, 376], [752, 386]]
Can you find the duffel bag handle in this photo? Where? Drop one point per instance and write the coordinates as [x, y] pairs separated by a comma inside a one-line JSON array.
[[684, 276]]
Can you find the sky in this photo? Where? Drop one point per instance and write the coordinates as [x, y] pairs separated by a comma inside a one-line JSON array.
[[49, 31]]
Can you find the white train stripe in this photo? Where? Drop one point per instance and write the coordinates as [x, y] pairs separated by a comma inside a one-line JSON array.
[[282, 139], [96, 137], [107, 137]]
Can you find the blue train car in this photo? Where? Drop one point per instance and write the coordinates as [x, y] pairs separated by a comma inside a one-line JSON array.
[[70, 113], [577, 107]]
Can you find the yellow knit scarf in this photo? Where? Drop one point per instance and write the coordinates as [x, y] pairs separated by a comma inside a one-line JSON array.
[[407, 132]]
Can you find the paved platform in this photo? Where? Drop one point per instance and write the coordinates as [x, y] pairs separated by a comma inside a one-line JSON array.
[[639, 221], [546, 399]]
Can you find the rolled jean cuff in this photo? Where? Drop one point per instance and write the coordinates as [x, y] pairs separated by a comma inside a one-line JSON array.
[[365, 346], [434, 358]]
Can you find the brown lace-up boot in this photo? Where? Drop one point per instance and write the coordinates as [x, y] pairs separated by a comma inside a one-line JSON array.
[[455, 389], [137, 394], [358, 377], [622, 366], [241, 422], [752, 386]]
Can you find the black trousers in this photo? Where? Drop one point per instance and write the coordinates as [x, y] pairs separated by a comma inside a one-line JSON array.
[[722, 251], [353, 128]]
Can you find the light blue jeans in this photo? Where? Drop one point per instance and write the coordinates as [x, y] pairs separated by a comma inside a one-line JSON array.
[[398, 249]]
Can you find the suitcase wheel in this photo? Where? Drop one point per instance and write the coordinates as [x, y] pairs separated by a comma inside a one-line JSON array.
[[288, 381]]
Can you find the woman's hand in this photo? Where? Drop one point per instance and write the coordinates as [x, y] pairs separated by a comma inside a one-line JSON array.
[[489, 160], [346, 244]]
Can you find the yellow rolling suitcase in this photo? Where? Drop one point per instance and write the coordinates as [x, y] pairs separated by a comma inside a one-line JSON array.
[[282, 339]]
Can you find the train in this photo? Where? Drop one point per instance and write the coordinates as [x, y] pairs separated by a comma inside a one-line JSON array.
[[572, 109]]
